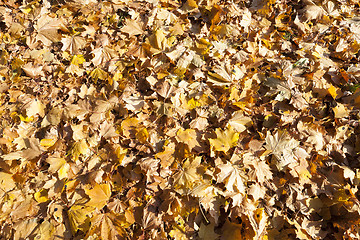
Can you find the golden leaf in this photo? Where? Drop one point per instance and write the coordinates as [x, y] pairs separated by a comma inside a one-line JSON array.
[[189, 137], [99, 195], [109, 226], [45, 231], [41, 196], [187, 178], [79, 148], [340, 111], [232, 176], [132, 27], [58, 165], [79, 218], [142, 135], [47, 142], [36, 107], [225, 139], [6, 182]]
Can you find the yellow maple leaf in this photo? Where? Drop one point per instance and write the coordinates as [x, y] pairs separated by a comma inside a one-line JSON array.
[[187, 178], [99, 195], [79, 148], [98, 73], [225, 139], [188, 136], [108, 225], [58, 165], [79, 218], [167, 155]]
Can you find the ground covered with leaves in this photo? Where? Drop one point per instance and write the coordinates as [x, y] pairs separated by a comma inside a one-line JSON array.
[[166, 119]]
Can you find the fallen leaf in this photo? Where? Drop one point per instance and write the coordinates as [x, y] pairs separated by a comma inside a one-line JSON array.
[[99, 195], [225, 139]]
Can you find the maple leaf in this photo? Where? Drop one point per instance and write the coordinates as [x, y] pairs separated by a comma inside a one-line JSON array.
[[79, 217], [103, 55], [232, 176], [73, 44], [47, 28], [225, 139], [134, 103], [150, 218], [189, 137], [281, 145], [258, 220], [187, 178], [259, 169], [45, 230], [314, 134], [99, 195], [25, 228], [107, 130], [7, 182], [166, 156], [132, 27], [281, 88], [240, 122], [58, 165], [79, 148], [35, 107], [33, 71], [107, 225]]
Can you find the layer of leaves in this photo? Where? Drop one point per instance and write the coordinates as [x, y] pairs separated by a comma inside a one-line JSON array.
[[167, 119]]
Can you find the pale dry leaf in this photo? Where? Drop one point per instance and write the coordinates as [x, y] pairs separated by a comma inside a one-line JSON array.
[[132, 27], [73, 44], [281, 145], [232, 176], [48, 29]]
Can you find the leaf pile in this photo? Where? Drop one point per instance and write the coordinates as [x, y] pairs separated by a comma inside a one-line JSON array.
[[167, 119]]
